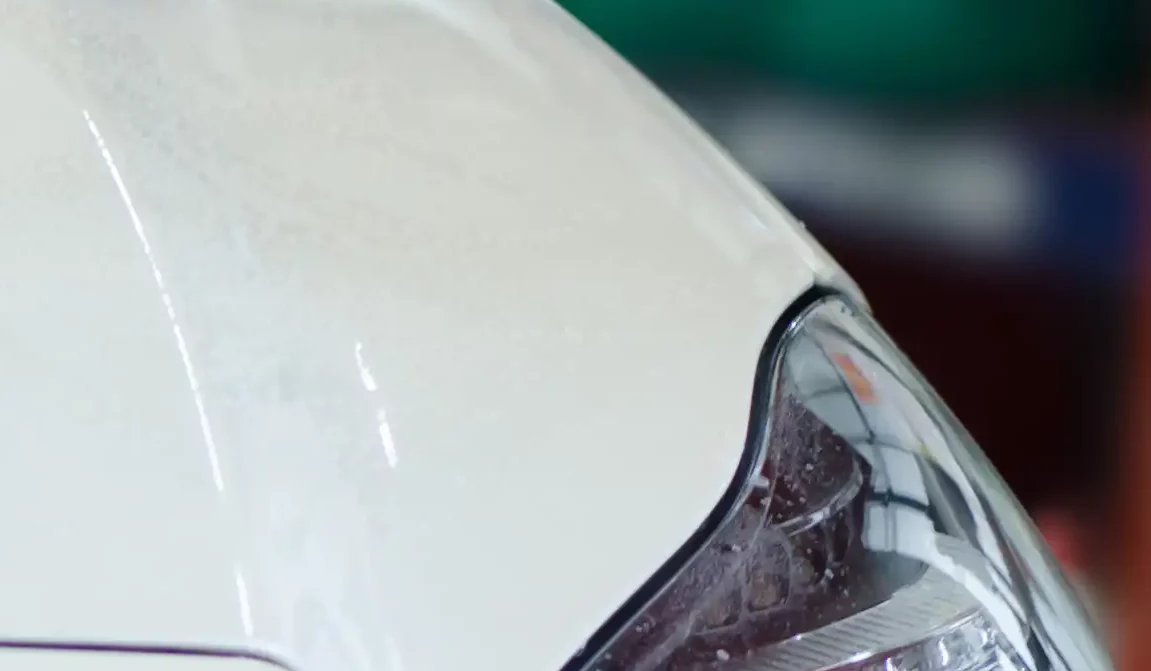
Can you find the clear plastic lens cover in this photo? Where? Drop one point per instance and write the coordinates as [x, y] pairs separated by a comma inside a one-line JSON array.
[[871, 534]]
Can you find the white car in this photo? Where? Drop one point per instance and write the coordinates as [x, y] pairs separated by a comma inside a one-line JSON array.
[[425, 335]]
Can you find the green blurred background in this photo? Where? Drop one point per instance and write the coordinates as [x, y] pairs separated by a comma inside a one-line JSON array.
[[951, 51]]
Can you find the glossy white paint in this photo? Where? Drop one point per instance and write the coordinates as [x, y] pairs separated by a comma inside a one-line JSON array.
[[406, 336]]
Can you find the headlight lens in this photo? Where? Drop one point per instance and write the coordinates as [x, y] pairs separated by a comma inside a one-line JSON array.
[[872, 534]]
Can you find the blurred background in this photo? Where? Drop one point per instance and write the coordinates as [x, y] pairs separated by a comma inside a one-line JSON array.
[[975, 166]]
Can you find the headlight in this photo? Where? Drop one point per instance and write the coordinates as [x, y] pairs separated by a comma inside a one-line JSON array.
[[868, 533]]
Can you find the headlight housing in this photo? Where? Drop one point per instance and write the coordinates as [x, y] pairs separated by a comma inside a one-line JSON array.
[[868, 533]]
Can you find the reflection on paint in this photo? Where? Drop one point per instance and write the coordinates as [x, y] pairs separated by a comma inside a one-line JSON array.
[[166, 298], [385, 428]]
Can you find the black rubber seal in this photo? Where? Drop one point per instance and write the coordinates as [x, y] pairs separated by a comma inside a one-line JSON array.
[[270, 661], [756, 434]]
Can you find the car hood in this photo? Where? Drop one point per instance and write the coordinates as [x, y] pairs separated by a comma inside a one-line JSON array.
[[362, 335]]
